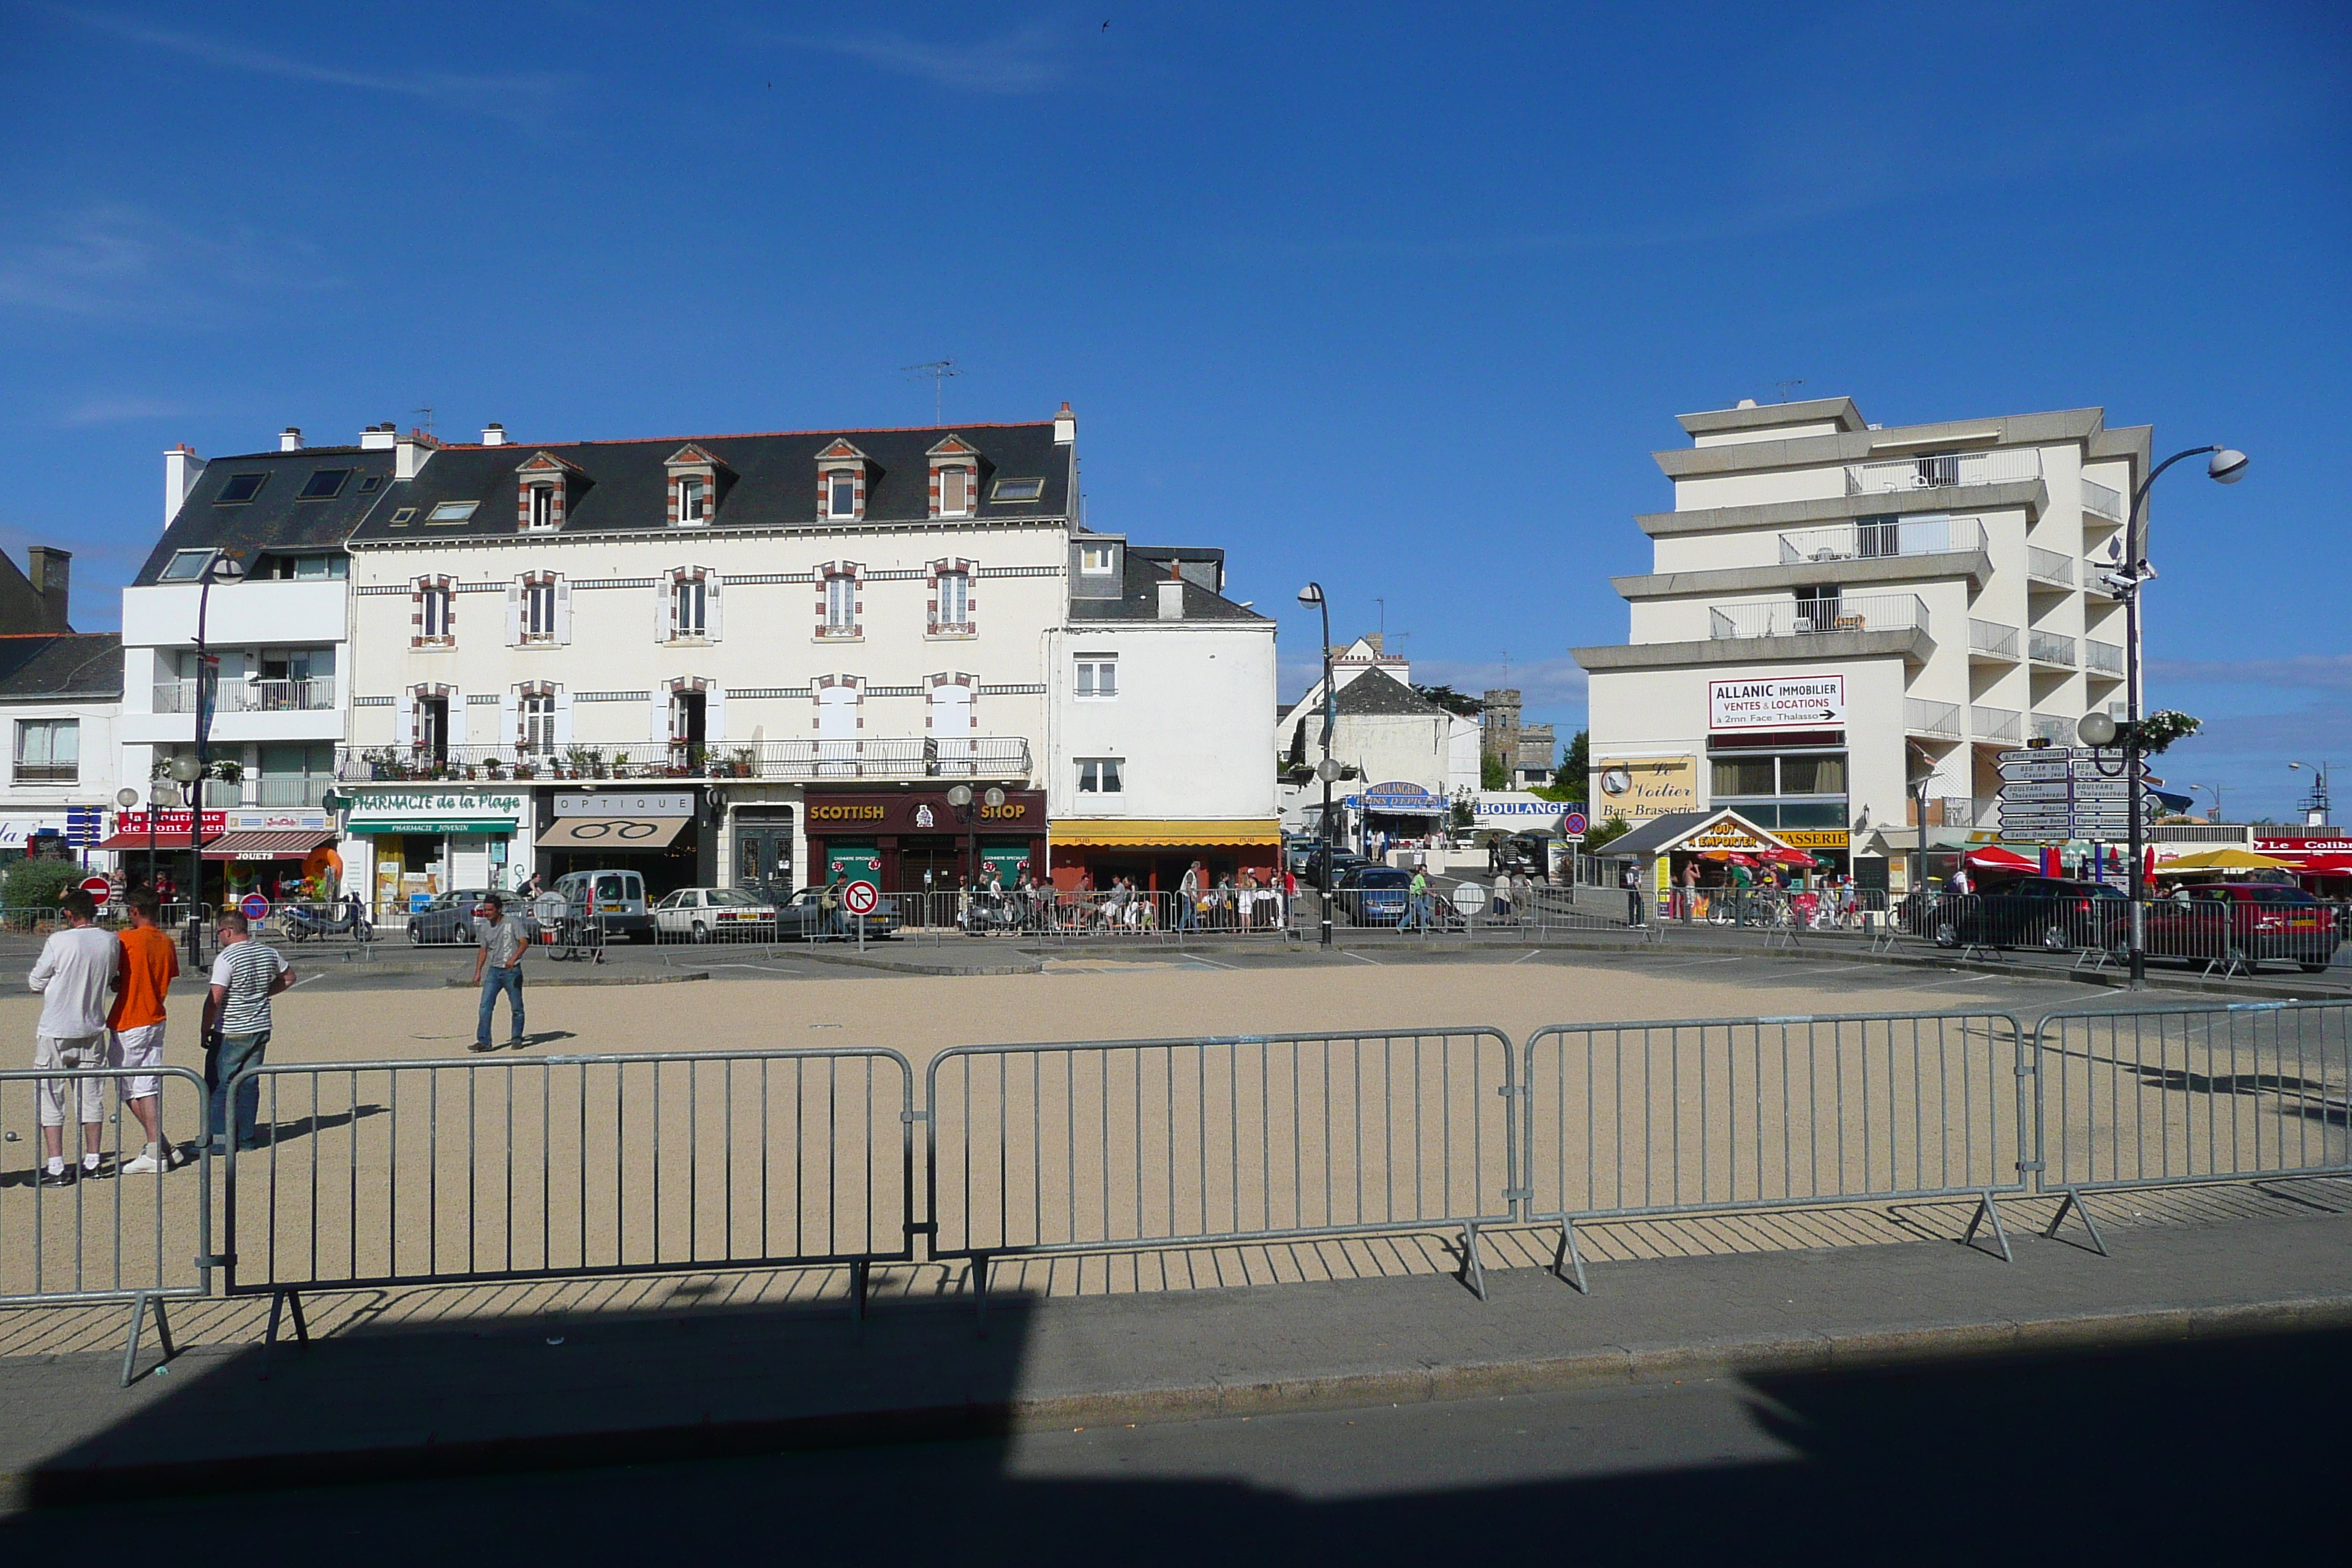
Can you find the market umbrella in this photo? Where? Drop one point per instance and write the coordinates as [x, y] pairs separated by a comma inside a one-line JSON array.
[[1715, 855], [1788, 857], [2222, 860], [1992, 857]]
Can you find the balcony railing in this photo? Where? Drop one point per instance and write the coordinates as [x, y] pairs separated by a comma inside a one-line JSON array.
[[2104, 658], [314, 694], [2101, 502], [977, 757], [1921, 717], [48, 773], [2050, 728], [2050, 648], [1873, 537], [1941, 470], [2049, 566], [1995, 724], [1803, 617], [1992, 640], [287, 792]]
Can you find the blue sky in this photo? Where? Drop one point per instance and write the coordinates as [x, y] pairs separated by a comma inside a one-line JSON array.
[[1399, 297]]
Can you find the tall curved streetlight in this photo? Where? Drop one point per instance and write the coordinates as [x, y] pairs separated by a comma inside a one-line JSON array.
[[1327, 770], [2226, 468]]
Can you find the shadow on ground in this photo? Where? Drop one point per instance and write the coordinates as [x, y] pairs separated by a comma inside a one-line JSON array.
[[668, 1441]]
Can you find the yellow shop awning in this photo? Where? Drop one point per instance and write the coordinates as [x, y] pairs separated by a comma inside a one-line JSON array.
[[1137, 833]]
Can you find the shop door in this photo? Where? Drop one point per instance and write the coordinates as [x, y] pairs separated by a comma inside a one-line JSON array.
[[858, 862], [763, 857]]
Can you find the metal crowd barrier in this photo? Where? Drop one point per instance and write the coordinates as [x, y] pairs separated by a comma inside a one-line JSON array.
[[437, 1173], [115, 1236], [1692, 1115], [1107, 1146], [2159, 1097]]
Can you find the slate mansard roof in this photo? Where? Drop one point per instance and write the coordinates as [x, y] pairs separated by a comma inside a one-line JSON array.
[[60, 664], [1139, 599], [276, 519], [764, 483]]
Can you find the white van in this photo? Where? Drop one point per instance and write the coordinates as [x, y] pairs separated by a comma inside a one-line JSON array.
[[617, 897]]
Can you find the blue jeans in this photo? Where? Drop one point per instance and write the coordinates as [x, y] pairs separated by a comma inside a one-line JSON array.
[[494, 980], [1188, 913], [233, 1054]]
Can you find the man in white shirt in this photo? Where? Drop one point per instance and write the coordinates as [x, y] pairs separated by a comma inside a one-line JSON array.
[[72, 975]]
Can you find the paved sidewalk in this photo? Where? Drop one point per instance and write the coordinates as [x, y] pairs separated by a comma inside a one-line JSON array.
[[532, 1392]]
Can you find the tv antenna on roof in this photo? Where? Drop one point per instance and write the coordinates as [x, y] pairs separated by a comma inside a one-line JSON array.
[[938, 371], [1785, 385], [427, 413]]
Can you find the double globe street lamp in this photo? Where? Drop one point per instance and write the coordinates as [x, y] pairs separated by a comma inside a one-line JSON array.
[[2099, 730]]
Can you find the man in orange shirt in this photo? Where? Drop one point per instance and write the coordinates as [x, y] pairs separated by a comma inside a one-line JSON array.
[[150, 963]]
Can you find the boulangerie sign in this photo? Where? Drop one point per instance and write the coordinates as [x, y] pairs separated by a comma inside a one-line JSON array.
[[1779, 702]]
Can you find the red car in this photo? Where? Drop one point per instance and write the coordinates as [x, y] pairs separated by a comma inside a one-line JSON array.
[[2244, 922]]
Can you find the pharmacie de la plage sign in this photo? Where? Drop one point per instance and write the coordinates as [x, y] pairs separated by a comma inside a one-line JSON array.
[[1783, 702]]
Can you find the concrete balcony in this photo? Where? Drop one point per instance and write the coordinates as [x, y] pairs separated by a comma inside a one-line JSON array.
[[2104, 659], [1815, 618], [2048, 568], [1877, 537], [989, 757], [2001, 726], [314, 695], [1939, 720], [1943, 471], [1989, 642], [2050, 728], [2050, 648], [2100, 500]]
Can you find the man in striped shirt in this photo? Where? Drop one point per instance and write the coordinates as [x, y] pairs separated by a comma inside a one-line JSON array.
[[236, 1025]]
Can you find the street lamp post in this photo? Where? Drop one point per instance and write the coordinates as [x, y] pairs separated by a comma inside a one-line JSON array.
[[1313, 594], [222, 568], [2317, 809], [2097, 730]]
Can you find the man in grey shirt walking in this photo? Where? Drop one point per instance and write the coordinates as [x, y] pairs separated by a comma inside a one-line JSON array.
[[502, 940], [71, 975]]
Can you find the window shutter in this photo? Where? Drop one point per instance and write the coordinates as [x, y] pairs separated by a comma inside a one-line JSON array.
[[514, 612], [404, 733], [457, 700], [711, 605], [714, 712], [563, 610], [563, 718], [664, 608], [510, 719], [658, 724]]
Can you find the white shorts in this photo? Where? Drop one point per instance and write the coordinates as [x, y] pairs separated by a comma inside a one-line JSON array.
[[53, 1052], [142, 1046]]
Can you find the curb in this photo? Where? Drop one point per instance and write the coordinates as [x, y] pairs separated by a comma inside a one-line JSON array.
[[908, 966], [651, 977], [1612, 1367]]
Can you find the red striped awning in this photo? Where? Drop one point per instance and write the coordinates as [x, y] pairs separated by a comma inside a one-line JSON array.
[[265, 845]]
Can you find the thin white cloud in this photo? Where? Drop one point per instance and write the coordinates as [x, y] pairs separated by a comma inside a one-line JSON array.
[[124, 263], [2307, 671], [526, 98], [120, 411], [1542, 683], [1031, 59]]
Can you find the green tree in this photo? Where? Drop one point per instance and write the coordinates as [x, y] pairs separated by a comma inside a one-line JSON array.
[[1609, 832], [1492, 774], [1453, 702], [1576, 764], [36, 884]]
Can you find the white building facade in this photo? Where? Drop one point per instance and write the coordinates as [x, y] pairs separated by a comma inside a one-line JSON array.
[[1843, 619]]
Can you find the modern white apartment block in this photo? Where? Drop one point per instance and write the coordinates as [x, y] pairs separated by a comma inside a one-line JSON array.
[[1841, 618]]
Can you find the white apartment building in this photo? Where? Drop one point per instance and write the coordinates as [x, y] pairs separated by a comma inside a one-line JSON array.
[[1389, 735], [1149, 768], [60, 698], [741, 658], [1841, 617]]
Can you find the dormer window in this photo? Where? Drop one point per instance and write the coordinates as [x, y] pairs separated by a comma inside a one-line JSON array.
[[548, 489], [955, 478], [697, 481], [843, 473], [542, 506], [1096, 560]]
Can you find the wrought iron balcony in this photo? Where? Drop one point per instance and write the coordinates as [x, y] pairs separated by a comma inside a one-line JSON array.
[[1804, 617], [1001, 757]]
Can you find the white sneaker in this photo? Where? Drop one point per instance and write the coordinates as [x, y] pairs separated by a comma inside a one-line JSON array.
[[145, 1164]]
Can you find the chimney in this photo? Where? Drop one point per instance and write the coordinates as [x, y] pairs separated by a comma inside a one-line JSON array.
[[181, 469], [1171, 595], [51, 572], [415, 450], [494, 435], [378, 437], [1066, 426], [290, 438]]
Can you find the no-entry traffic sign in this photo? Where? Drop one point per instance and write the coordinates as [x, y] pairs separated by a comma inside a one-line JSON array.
[[98, 889], [859, 897]]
